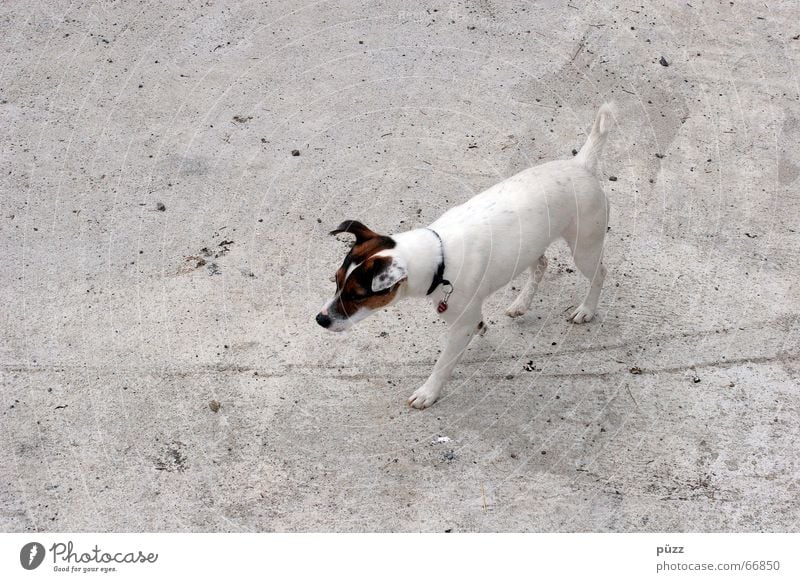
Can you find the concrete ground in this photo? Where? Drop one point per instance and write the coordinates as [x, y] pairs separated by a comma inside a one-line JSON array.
[[163, 249]]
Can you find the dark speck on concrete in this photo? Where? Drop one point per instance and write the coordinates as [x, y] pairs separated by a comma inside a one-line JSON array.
[[663, 62], [295, 153]]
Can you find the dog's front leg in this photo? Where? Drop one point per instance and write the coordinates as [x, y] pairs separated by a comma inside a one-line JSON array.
[[461, 331]]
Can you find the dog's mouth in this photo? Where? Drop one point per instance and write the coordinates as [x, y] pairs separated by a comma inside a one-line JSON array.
[[339, 325], [333, 323]]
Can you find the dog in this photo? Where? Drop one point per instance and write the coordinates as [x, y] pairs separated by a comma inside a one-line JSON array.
[[476, 248]]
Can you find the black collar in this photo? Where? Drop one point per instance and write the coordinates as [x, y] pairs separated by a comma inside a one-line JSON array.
[[438, 277]]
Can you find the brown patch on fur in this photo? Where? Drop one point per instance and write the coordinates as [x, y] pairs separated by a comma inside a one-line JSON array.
[[367, 244], [354, 227], [357, 291], [360, 252]]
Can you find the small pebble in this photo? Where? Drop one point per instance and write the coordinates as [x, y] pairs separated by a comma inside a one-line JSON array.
[[160, 206], [214, 406], [663, 62], [295, 153]]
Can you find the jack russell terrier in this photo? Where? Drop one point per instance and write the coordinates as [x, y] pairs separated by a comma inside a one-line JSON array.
[[474, 249]]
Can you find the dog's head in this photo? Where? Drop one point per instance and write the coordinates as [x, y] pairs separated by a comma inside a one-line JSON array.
[[369, 278]]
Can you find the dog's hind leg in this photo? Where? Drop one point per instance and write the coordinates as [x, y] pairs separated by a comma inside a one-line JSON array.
[[586, 244], [522, 303]]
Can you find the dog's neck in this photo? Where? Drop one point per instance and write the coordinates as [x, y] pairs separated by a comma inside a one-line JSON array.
[[422, 253]]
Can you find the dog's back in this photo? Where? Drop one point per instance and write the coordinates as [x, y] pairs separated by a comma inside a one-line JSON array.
[[504, 229]]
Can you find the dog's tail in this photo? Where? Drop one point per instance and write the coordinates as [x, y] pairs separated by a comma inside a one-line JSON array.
[[597, 138]]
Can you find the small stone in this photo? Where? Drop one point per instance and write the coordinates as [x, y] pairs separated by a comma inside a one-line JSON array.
[[612, 178], [214, 406], [160, 206], [663, 62], [295, 153]]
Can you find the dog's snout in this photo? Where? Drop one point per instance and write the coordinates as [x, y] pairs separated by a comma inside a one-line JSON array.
[[323, 319]]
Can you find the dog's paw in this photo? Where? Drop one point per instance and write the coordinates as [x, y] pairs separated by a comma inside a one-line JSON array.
[[423, 397], [516, 309], [581, 315]]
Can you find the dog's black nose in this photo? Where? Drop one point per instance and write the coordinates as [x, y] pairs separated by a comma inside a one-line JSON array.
[[323, 320]]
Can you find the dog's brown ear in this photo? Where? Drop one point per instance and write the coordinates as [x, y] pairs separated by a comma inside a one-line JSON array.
[[361, 232]]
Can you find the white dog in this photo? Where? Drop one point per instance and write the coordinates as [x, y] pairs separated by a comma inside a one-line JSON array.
[[474, 249]]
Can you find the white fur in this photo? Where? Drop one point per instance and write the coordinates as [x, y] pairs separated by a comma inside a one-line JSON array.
[[490, 239], [392, 275]]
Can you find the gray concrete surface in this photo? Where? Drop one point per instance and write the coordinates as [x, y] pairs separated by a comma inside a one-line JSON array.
[[677, 409]]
